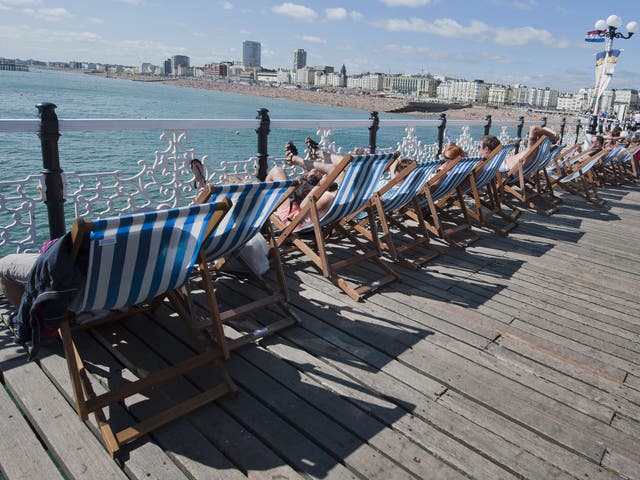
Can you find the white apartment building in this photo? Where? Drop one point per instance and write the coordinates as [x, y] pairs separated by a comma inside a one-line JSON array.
[[464, 91], [569, 102], [303, 76], [519, 95], [410, 85], [498, 95], [371, 81], [336, 79], [543, 97], [628, 97]]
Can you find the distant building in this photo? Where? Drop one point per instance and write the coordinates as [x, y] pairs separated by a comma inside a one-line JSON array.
[[475, 91], [498, 95], [545, 98], [167, 67], [180, 65], [410, 85], [299, 59], [251, 53], [369, 81], [215, 70], [628, 97]]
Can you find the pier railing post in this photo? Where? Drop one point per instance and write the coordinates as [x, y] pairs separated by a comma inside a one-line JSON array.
[[263, 142], [373, 131], [563, 125], [54, 197], [578, 126], [441, 128], [593, 125], [487, 126], [519, 133]]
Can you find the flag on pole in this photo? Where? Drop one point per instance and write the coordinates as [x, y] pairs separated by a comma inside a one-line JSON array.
[[605, 65], [594, 36]]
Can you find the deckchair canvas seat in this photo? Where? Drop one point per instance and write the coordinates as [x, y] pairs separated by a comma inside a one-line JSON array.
[[360, 175], [133, 261], [252, 205]]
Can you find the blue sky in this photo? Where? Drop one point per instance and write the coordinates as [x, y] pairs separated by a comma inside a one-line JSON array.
[[534, 42]]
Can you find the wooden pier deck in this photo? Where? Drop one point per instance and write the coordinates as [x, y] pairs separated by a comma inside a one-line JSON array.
[[517, 358]]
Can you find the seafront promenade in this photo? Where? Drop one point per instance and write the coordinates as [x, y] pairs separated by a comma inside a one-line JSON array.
[[516, 358]]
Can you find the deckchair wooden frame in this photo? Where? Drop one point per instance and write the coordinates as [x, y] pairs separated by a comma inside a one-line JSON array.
[[385, 217], [522, 182], [315, 248], [487, 204], [88, 402], [578, 177], [436, 208], [278, 297]]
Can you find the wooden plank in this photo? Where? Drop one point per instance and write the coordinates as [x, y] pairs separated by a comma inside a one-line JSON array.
[[143, 459], [75, 449], [22, 456], [302, 454], [182, 442]]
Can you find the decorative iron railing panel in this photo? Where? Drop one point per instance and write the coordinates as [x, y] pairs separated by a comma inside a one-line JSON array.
[[168, 180]]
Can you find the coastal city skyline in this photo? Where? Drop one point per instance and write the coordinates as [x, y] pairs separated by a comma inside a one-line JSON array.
[[533, 42]]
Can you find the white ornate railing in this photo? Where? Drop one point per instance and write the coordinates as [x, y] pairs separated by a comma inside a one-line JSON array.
[[168, 180]]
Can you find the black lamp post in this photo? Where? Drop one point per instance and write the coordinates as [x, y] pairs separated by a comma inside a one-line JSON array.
[[609, 30]]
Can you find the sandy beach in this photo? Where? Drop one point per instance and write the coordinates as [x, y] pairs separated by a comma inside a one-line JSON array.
[[352, 99], [345, 98]]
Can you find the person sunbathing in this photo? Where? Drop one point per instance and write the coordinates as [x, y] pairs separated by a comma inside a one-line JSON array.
[[527, 155], [451, 155], [316, 168]]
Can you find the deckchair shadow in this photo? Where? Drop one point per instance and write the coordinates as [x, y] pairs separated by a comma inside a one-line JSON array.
[[359, 176], [252, 205], [134, 262]]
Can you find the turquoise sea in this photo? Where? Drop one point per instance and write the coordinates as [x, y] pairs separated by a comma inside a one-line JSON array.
[[86, 96], [80, 96]]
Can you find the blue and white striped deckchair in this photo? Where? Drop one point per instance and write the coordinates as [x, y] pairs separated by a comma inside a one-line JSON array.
[[522, 182], [482, 187], [440, 188], [358, 177], [134, 260], [579, 180], [389, 200], [252, 205]]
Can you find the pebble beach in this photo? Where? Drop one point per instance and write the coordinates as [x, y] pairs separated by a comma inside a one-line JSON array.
[[348, 99]]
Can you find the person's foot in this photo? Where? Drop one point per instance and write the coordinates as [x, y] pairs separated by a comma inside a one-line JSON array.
[[290, 150]]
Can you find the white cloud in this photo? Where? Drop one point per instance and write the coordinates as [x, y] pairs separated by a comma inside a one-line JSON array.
[[20, 3], [406, 3], [525, 4], [311, 39], [227, 6], [299, 12], [340, 13], [27, 34], [48, 14], [96, 20], [447, 27]]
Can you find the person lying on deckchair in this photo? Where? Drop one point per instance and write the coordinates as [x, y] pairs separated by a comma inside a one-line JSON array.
[[535, 132], [451, 155], [316, 167]]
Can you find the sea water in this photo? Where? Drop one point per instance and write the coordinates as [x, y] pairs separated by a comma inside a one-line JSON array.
[[89, 96], [79, 96]]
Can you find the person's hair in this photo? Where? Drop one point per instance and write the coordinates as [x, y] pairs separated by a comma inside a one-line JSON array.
[[489, 141], [600, 139], [453, 151], [403, 163]]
